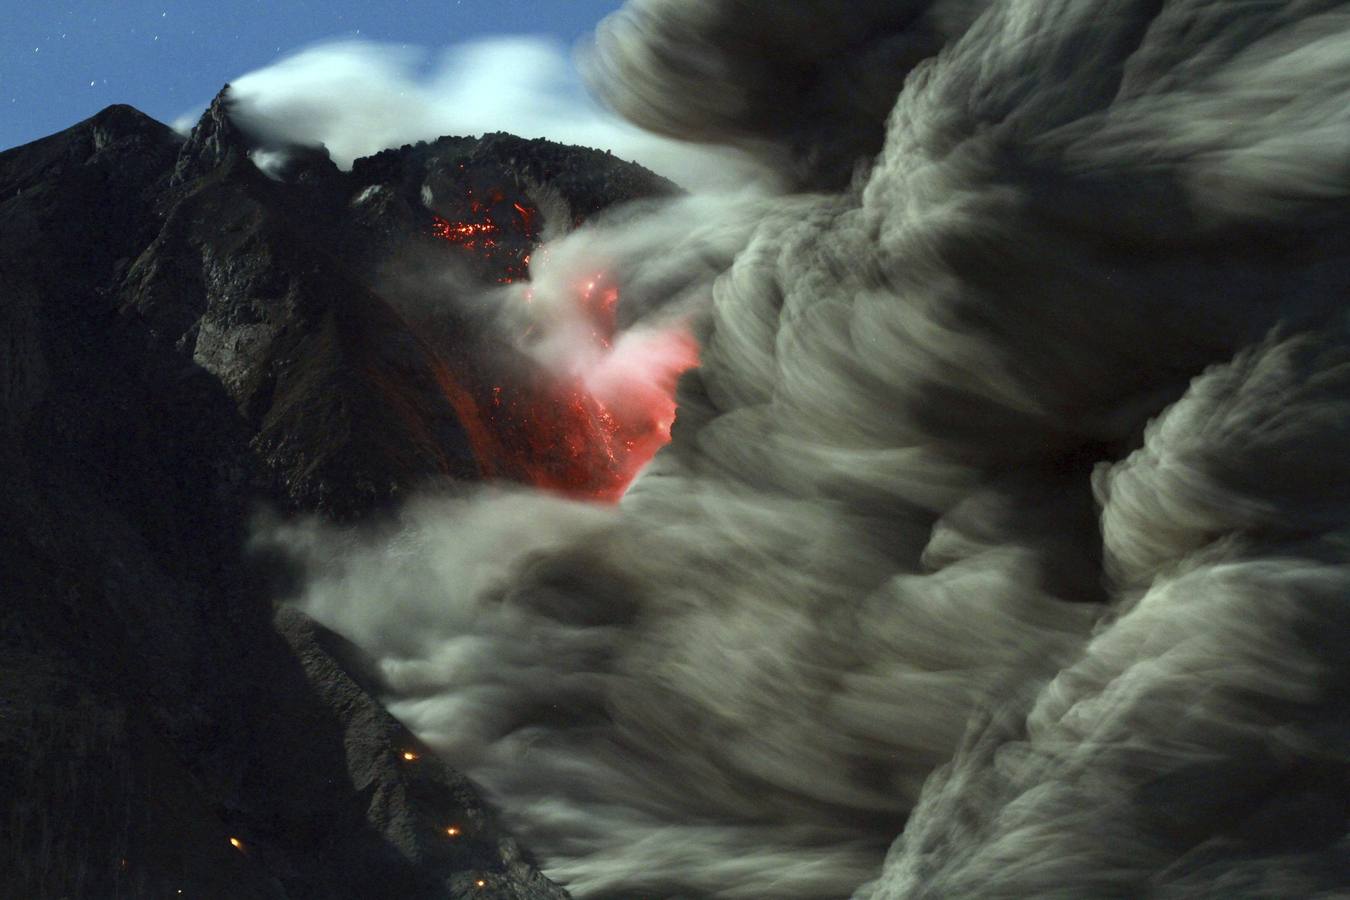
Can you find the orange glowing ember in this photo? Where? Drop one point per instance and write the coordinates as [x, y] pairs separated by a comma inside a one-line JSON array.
[[237, 844], [528, 224], [501, 232], [465, 233], [453, 831], [409, 755], [480, 883]]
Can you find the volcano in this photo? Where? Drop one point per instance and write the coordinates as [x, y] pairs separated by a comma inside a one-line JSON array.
[[188, 340], [998, 548]]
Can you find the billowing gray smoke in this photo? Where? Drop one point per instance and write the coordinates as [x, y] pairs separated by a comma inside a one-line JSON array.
[[1008, 512], [806, 84]]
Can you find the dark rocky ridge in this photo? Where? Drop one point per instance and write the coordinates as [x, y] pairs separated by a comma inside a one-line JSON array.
[[182, 337]]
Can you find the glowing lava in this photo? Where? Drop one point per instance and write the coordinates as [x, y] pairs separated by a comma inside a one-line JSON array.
[[505, 251], [572, 404], [467, 234], [609, 402], [583, 425]]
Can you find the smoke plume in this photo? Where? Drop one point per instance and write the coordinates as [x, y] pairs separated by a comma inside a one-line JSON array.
[[359, 97], [1000, 548]]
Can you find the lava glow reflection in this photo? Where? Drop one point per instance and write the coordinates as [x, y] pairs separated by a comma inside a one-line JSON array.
[[587, 405], [604, 402], [575, 405]]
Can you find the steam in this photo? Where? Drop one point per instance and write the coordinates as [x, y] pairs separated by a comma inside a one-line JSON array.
[[648, 270], [1004, 521], [359, 97]]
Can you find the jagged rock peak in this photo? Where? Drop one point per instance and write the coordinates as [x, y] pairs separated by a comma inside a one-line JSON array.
[[214, 140]]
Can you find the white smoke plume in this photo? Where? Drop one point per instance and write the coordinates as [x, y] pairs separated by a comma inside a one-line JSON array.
[[1001, 546], [359, 97]]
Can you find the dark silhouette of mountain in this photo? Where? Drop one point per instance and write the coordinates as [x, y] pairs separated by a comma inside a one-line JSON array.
[[182, 338]]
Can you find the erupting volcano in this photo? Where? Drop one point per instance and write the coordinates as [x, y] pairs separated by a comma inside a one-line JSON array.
[[999, 551], [319, 341]]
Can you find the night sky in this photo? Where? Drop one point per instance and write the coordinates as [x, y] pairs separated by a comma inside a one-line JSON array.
[[62, 62]]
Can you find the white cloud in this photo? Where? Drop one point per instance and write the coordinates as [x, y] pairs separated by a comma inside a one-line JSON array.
[[359, 97]]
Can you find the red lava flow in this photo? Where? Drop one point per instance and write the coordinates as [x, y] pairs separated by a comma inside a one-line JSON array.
[[585, 431]]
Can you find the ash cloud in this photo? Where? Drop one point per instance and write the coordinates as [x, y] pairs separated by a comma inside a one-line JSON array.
[[806, 85], [1000, 548]]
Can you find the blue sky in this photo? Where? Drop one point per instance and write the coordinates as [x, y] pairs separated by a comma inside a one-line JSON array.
[[62, 62]]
